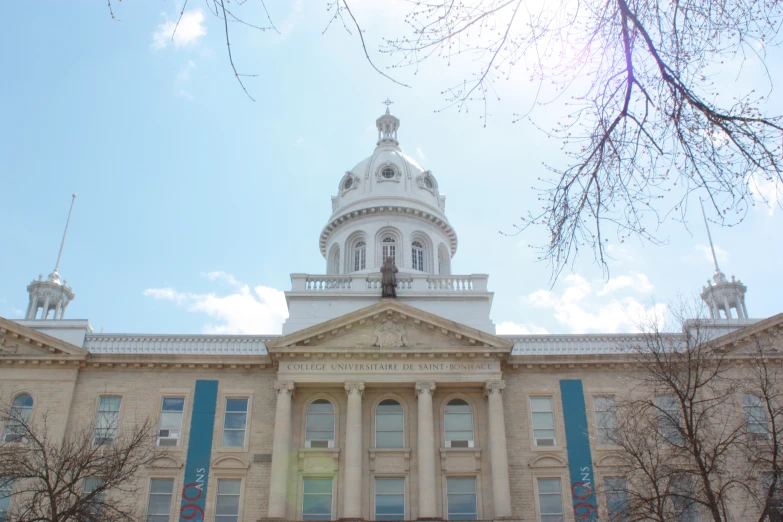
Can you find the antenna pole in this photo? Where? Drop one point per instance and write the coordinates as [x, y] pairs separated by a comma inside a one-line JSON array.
[[709, 236], [65, 233]]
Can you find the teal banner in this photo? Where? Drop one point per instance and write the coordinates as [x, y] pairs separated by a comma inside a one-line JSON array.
[[202, 424], [580, 459]]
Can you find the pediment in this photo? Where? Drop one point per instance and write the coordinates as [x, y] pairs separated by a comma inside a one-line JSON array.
[[21, 342], [766, 334], [389, 327]]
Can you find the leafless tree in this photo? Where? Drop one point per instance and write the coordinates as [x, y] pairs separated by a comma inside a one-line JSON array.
[[71, 478], [700, 430], [644, 124]]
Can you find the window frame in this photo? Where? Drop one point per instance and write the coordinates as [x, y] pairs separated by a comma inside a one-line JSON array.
[[240, 507], [335, 417], [598, 428], [391, 245], [692, 513], [533, 440], [359, 254], [537, 495], [472, 442], [375, 494], [606, 492], [11, 423], [9, 489], [663, 416], [150, 493], [418, 256], [333, 499], [98, 411], [476, 493], [375, 423], [763, 434], [234, 394], [181, 428]]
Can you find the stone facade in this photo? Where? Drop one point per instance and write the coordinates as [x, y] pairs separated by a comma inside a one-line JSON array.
[[339, 362]]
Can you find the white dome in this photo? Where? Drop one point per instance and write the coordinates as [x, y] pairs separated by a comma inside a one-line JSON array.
[[388, 191]]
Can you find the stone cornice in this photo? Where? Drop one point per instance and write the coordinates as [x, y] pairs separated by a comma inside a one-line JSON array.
[[337, 220], [12, 334]]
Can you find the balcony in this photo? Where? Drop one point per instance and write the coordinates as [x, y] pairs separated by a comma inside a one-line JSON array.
[[370, 284]]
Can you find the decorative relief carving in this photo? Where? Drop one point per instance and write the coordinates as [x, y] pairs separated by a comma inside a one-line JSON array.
[[494, 387], [427, 181], [460, 460], [7, 347], [388, 460], [354, 387], [388, 171], [348, 182], [319, 460], [425, 387], [390, 334]]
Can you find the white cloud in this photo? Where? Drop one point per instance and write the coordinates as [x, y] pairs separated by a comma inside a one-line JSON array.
[[420, 153], [702, 255], [512, 328], [583, 306], [636, 281], [260, 311], [191, 27], [182, 93]]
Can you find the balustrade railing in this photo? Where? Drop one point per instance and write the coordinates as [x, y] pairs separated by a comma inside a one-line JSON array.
[[406, 282], [327, 282]]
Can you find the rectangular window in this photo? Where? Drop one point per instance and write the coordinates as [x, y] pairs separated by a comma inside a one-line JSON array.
[[227, 501], [542, 410], [235, 423], [616, 498], [669, 418], [159, 504], [756, 417], [108, 419], [389, 499], [683, 503], [6, 489], [461, 498], [170, 429], [550, 500], [605, 419], [317, 499]]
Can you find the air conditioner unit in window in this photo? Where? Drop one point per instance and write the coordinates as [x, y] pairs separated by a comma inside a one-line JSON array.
[[758, 435], [103, 441], [319, 444], [459, 443], [545, 442]]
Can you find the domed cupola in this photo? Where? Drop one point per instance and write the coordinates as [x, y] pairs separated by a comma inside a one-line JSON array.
[[388, 205]]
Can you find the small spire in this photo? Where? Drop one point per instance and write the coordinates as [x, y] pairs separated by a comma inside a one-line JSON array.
[[65, 233], [387, 103], [709, 236], [387, 127]]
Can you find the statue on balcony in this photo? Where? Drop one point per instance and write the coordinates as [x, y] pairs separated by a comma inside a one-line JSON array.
[[389, 279]]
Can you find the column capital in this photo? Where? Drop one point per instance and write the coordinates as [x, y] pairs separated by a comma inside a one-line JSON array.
[[426, 387], [491, 387], [354, 387], [284, 387]]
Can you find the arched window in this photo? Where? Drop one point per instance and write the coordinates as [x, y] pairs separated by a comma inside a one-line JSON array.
[[458, 424], [21, 408], [417, 253], [388, 248], [320, 424], [333, 264], [389, 425], [359, 256]]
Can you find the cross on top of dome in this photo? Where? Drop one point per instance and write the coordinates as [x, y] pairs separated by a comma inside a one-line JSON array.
[[387, 127]]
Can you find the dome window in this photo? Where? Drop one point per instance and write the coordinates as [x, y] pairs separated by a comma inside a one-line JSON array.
[[388, 173], [389, 248], [417, 254], [348, 183], [359, 256], [428, 183]]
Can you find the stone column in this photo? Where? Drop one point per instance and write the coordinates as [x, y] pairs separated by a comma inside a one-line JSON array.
[[352, 497], [45, 308], [281, 450], [426, 451], [498, 454], [728, 308]]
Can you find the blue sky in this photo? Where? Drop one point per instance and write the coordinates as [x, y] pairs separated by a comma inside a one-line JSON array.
[[195, 204]]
